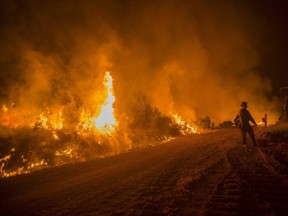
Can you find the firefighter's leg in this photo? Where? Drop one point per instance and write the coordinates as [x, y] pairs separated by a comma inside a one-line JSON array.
[[252, 136], [243, 131]]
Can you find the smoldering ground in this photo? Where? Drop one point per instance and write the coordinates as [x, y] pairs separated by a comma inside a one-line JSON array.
[[195, 58]]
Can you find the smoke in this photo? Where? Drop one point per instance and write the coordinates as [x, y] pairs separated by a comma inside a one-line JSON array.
[[192, 58]]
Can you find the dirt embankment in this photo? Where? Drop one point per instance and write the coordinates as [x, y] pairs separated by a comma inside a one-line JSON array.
[[208, 174]]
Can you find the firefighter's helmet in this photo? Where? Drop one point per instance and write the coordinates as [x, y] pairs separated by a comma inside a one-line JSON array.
[[244, 104]]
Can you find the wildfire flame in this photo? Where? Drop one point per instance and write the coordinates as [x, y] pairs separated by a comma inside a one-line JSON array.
[[58, 122], [185, 127], [52, 121], [8, 118], [63, 140], [106, 120]]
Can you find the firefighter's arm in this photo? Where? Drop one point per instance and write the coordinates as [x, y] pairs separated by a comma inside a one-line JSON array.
[[252, 119]]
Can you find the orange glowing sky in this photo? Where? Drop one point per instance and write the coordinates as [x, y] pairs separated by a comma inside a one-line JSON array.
[[190, 57]]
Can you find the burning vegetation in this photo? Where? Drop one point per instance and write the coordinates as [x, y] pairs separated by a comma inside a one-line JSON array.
[[169, 66], [30, 142]]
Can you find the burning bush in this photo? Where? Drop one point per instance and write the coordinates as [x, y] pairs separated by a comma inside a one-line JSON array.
[[56, 136], [47, 142], [24, 149]]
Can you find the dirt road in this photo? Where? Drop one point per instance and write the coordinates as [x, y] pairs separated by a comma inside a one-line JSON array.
[[207, 174]]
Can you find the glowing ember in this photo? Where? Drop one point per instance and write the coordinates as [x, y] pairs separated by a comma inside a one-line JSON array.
[[19, 170], [68, 152], [106, 120], [55, 135]]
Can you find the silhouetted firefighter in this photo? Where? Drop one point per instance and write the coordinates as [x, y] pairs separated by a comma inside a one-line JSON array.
[[242, 120], [264, 120]]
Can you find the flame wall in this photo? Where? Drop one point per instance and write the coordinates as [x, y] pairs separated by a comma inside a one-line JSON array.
[[191, 57]]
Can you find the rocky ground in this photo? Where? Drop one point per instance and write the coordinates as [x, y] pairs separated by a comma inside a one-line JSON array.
[[205, 174]]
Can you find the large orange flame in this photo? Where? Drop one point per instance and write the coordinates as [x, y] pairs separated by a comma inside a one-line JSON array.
[[106, 121]]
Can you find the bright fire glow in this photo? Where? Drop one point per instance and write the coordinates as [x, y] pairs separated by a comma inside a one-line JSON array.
[[106, 120], [53, 122], [63, 140], [58, 122], [42, 121], [185, 127], [4, 108]]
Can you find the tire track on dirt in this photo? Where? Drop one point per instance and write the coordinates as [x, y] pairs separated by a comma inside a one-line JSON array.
[[192, 197], [263, 191], [226, 197], [169, 191], [180, 184]]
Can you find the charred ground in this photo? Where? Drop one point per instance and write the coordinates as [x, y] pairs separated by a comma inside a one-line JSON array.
[[206, 174]]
